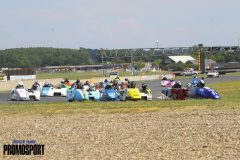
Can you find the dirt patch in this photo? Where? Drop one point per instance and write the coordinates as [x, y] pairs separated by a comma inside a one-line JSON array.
[[196, 134]]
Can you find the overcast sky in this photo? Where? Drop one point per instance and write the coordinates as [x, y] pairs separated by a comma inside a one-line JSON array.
[[118, 23]]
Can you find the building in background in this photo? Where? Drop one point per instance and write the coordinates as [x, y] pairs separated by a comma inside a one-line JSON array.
[[209, 63], [177, 59]]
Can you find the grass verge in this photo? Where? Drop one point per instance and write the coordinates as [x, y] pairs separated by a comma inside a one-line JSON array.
[[233, 74], [89, 74]]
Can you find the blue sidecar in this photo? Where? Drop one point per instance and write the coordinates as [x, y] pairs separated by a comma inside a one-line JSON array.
[[206, 92], [94, 94], [109, 94], [77, 94], [47, 91]]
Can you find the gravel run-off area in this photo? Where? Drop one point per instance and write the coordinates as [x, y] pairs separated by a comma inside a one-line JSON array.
[[167, 134]]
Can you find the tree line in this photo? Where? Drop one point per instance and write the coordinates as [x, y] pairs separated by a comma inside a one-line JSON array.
[[42, 56]]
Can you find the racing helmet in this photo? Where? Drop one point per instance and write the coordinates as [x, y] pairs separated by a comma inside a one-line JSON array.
[[73, 85], [80, 86], [92, 88], [101, 84], [189, 85], [105, 81], [87, 83], [144, 86], [108, 86], [164, 77], [179, 84], [132, 84], [20, 83], [115, 82], [122, 85], [202, 81]]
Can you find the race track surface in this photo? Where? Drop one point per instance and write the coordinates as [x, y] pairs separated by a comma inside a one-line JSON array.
[[154, 85]]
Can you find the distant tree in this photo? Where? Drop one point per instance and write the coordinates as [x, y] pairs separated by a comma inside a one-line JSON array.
[[139, 65], [230, 58], [84, 56], [157, 62], [39, 57]]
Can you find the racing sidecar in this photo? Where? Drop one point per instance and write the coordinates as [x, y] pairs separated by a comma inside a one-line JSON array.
[[131, 94], [60, 91], [147, 95], [47, 91], [34, 94], [191, 92], [77, 94], [109, 95], [19, 94], [94, 95], [205, 92], [176, 93]]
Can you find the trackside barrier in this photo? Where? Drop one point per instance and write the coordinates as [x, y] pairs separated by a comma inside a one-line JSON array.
[[21, 77], [148, 78]]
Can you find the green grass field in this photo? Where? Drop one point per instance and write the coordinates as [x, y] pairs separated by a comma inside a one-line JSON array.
[[233, 74], [229, 91], [89, 74]]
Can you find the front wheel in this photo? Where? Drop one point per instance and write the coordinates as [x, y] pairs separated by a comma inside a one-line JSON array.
[[144, 98], [35, 99], [71, 100]]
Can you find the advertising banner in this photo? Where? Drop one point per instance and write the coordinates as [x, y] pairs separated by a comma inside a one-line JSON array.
[[3, 78], [21, 77]]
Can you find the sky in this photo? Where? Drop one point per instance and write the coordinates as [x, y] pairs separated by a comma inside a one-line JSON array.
[[116, 24]]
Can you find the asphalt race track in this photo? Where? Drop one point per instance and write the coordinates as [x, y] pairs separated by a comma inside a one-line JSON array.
[[154, 85]]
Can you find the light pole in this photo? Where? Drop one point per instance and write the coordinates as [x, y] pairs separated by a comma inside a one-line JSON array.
[[157, 43], [238, 44]]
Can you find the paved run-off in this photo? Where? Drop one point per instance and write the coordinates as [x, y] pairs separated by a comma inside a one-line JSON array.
[[167, 134]]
